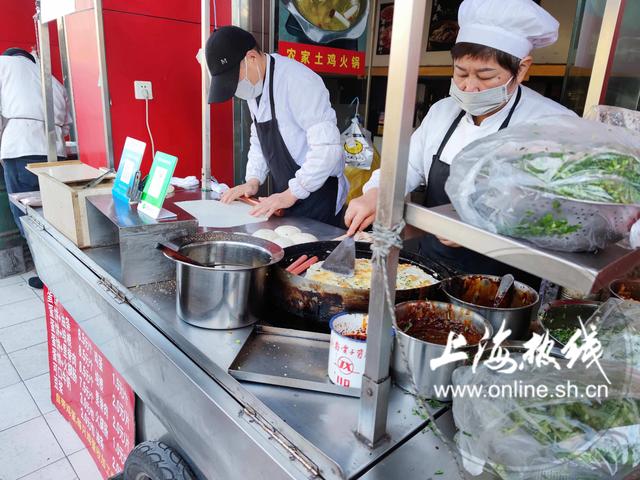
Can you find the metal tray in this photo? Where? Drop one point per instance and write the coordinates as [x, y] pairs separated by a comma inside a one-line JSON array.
[[289, 358]]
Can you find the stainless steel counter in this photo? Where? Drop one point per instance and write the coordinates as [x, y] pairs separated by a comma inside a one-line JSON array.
[[317, 427], [585, 272]]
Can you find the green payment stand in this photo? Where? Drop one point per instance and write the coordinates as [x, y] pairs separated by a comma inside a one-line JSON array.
[[156, 186]]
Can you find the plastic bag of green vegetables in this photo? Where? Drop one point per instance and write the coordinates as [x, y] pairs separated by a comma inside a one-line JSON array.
[[563, 183], [574, 421]]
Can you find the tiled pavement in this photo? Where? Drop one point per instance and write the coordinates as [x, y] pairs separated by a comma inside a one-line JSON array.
[[36, 442]]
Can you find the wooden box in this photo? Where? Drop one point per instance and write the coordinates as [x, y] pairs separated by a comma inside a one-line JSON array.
[[63, 192]]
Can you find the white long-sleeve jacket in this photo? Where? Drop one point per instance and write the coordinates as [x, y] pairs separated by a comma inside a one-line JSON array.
[[308, 127], [22, 110], [426, 140]]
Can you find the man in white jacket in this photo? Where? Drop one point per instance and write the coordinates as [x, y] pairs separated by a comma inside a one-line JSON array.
[[22, 132], [294, 136]]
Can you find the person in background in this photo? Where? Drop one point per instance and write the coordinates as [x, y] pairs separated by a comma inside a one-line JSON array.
[[491, 59], [294, 135], [22, 131]]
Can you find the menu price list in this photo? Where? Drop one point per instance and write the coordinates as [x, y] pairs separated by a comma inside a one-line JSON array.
[[88, 391]]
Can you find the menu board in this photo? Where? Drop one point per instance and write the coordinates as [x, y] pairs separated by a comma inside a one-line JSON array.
[[88, 392]]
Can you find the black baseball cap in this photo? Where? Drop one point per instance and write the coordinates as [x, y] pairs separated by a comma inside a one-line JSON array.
[[225, 49], [18, 52]]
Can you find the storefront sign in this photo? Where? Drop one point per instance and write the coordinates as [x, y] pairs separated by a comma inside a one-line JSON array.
[[324, 59], [88, 392], [328, 37], [156, 186], [129, 165]]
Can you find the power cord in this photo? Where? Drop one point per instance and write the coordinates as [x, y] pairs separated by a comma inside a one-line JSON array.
[[146, 108]]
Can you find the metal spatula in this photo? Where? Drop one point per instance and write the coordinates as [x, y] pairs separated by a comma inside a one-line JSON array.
[[343, 259]]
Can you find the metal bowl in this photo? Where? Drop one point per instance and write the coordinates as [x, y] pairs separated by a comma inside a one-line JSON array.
[[319, 35], [410, 367], [517, 317], [565, 314], [626, 289], [600, 224], [227, 290]]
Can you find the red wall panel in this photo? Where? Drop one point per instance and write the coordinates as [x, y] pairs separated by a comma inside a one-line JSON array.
[[83, 59], [171, 9], [163, 52], [18, 30], [150, 44]]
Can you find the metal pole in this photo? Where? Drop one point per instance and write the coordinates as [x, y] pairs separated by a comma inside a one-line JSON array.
[[46, 83], [408, 21], [104, 83], [66, 74], [205, 31], [605, 51], [371, 48]]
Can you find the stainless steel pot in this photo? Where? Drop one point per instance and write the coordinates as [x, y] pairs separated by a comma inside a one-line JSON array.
[[410, 367], [523, 302], [227, 290], [320, 35]]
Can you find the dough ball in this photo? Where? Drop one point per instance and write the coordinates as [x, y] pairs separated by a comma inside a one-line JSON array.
[[284, 242], [303, 238], [287, 230], [265, 234]]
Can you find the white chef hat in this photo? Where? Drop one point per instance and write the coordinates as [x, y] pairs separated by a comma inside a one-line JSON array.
[[513, 26]]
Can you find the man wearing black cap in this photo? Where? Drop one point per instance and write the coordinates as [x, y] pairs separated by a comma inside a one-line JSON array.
[[22, 135], [294, 136]]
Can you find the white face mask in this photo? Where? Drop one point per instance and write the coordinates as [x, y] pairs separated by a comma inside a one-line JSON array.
[[247, 90], [481, 103]]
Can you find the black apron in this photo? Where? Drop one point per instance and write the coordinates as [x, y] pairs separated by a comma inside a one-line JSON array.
[[461, 259], [321, 204]]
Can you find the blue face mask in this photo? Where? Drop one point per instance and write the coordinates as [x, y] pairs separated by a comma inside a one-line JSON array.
[[481, 103], [247, 90]]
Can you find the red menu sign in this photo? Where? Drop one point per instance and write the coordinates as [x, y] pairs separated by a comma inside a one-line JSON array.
[[88, 392], [324, 59]]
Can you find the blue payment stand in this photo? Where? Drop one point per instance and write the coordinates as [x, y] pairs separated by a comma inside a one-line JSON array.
[[128, 168]]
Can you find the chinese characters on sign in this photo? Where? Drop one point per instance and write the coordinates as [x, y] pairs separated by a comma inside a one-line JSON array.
[[88, 392], [323, 59]]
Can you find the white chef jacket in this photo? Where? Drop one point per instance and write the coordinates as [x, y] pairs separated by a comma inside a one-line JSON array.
[[22, 110], [426, 140], [307, 125]]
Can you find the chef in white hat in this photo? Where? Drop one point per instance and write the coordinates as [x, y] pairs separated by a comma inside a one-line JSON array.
[[491, 58]]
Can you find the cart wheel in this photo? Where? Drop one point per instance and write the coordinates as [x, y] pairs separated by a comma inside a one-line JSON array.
[[156, 461]]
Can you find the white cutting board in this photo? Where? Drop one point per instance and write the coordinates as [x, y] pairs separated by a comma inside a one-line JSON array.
[[215, 214]]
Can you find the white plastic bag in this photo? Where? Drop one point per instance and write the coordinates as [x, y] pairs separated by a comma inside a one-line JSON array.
[[560, 182], [583, 435], [357, 146]]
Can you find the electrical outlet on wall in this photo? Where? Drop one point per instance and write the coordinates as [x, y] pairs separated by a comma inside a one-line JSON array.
[[143, 90]]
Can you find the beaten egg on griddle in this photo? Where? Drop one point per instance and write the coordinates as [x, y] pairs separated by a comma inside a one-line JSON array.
[[408, 277]]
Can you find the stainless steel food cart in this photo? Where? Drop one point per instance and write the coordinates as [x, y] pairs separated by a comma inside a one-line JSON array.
[[226, 428]]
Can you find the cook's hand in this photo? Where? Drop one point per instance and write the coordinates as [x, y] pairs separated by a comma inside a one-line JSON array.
[[361, 212], [269, 205], [448, 243], [245, 190]]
